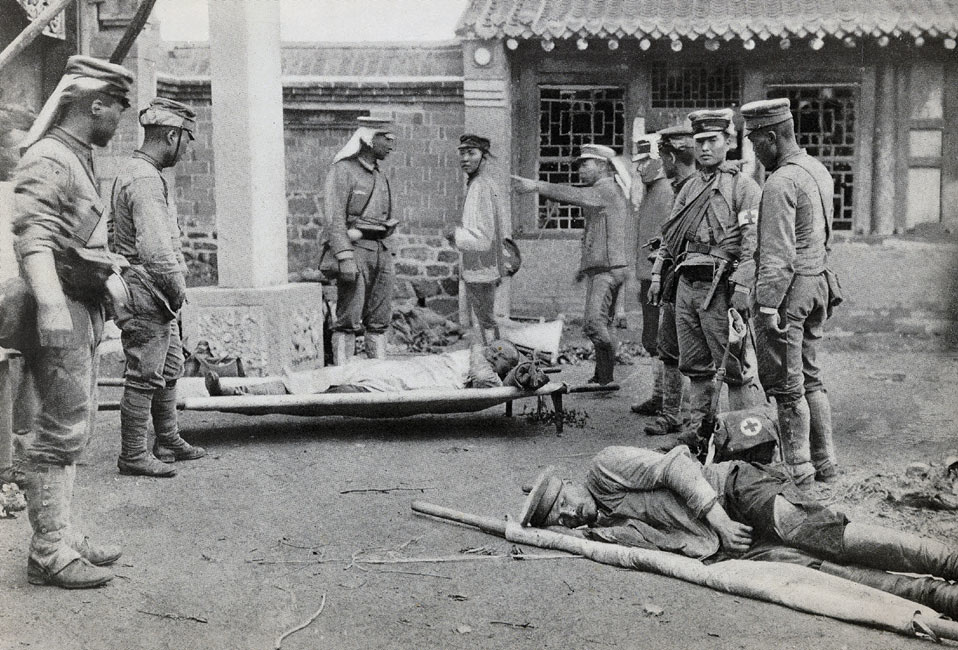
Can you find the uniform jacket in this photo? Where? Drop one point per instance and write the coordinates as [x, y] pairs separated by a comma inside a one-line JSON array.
[[356, 195], [606, 213], [652, 212], [794, 222], [479, 238], [729, 222], [144, 228], [56, 204], [663, 496]]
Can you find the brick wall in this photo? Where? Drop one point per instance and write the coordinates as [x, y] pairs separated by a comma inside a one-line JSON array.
[[319, 118]]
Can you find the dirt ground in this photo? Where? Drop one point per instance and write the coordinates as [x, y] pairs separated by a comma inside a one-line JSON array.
[[246, 544]]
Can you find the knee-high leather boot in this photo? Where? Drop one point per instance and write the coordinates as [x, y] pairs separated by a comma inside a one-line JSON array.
[[653, 405], [940, 595], [895, 550], [820, 439], [135, 457], [169, 446], [793, 430], [53, 560]]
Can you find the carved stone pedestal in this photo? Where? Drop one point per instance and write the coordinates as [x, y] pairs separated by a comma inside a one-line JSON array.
[[268, 328]]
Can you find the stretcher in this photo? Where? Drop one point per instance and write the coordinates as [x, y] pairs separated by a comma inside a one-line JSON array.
[[367, 405]]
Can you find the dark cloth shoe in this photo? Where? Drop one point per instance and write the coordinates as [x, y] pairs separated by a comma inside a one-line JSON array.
[[182, 450], [145, 465], [662, 426], [79, 574], [650, 406]]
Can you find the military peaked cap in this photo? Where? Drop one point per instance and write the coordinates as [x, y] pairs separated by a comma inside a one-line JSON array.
[[542, 498], [709, 122], [167, 112], [767, 112]]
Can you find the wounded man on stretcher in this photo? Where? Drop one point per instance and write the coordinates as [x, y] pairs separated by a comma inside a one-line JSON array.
[[482, 366]]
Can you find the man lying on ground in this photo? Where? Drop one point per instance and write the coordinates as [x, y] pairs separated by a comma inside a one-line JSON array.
[[496, 364], [644, 498]]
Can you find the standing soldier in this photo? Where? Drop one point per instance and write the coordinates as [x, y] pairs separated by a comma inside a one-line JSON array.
[[707, 245], [677, 152], [146, 233], [480, 235], [358, 220], [791, 290], [58, 219], [605, 258], [653, 209]]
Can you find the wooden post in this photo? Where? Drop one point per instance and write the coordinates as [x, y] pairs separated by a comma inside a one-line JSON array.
[[132, 31], [28, 35]]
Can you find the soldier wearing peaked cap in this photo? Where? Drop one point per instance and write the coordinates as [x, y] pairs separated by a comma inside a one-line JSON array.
[[791, 288], [605, 252], [145, 232], [480, 235], [707, 246], [358, 209], [59, 225], [652, 210]]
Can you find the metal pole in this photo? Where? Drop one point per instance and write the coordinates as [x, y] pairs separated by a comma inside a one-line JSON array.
[[28, 35]]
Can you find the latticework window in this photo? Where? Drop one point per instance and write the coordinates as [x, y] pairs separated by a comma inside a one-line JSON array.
[[570, 116], [825, 128], [691, 87]]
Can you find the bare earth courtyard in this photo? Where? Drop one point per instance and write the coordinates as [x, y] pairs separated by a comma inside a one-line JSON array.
[[244, 545]]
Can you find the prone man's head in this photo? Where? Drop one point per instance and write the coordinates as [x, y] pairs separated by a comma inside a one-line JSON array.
[[555, 502]]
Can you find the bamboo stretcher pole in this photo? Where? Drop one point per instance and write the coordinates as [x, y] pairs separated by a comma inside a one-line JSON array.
[[132, 31], [797, 587], [28, 35]]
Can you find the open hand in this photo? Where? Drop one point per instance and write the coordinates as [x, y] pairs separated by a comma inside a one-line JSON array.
[[735, 537]]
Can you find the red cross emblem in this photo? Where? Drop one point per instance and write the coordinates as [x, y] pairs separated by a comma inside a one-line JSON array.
[[750, 427]]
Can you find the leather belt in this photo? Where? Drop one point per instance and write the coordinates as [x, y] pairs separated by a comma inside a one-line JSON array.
[[373, 235]]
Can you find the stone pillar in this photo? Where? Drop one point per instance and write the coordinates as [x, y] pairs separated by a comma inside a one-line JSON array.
[[248, 142], [253, 314], [886, 151], [487, 94]]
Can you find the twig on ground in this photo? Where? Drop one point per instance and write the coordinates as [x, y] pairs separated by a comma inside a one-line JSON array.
[[279, 641], [283, 542], [175, 617], [389, 489], [527, 626], [416, 573]]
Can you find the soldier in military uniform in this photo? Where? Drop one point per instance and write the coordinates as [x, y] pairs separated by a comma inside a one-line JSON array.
[[677, 153], [605, 258], [358, 207], [145, 232], [791, 290], [707, 244], [59, 219], [652, 209]]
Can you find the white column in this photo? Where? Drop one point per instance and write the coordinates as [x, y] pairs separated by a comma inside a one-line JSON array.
[[250, 173]]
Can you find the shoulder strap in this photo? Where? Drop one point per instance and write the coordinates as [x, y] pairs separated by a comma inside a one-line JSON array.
[[821, 197]]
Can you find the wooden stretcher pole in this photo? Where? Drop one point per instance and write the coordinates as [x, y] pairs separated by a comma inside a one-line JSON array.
[[132, 31], [28, 35], [793, 586]]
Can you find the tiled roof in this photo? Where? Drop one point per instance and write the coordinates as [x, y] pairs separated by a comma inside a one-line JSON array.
[[334, 60], [524, 19]]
